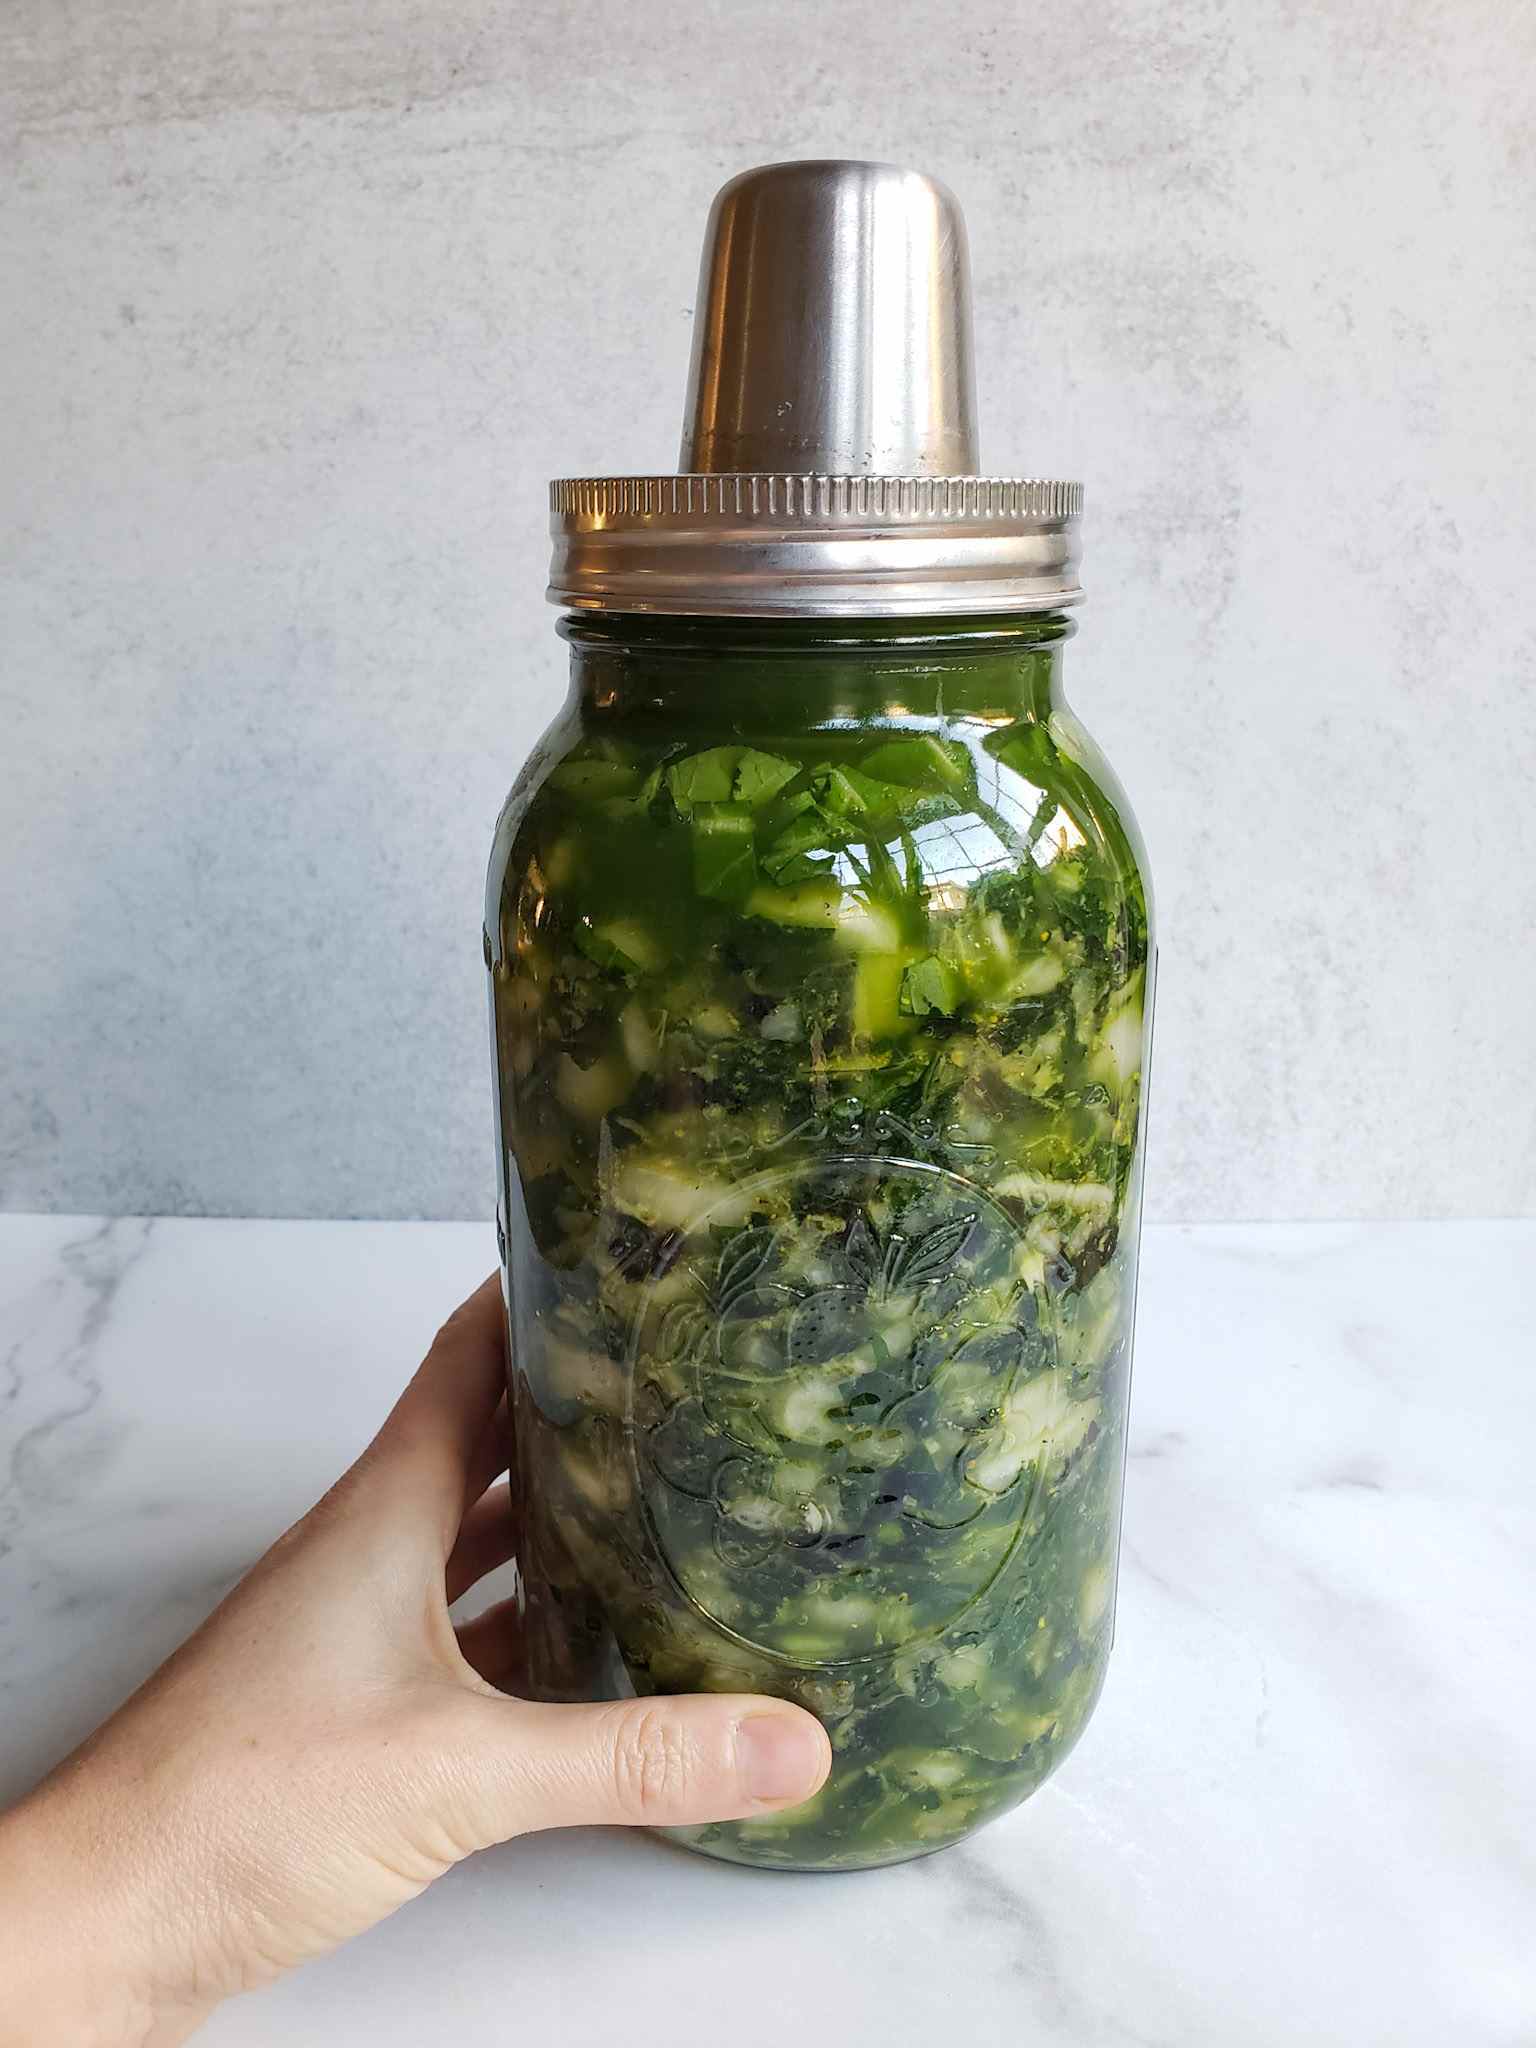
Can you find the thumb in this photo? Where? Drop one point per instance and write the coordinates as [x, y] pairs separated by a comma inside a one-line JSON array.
[[663, 1762]]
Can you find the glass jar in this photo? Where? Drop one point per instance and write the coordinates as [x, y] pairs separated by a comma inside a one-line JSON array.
[[821, 969]]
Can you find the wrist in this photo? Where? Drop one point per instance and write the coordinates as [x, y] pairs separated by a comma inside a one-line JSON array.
[[79, 1954]]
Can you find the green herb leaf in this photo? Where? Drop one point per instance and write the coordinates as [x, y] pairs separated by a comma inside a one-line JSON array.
[[920, 761], [760, 777], [706, 778], [929, 986], [720, 775], [724, 854]]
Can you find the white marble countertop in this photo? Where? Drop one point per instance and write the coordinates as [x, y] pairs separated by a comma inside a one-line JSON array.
[[1305, 1810]]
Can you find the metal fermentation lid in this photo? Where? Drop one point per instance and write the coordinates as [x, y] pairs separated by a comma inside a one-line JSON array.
[[828, 464]]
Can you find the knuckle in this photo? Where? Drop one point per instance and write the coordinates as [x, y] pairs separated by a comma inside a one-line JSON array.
[[651, 1764]]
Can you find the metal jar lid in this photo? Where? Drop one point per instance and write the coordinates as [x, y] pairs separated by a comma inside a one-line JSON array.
[[828, 464]]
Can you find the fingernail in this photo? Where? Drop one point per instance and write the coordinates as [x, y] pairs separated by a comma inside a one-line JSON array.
[[781, 1757]]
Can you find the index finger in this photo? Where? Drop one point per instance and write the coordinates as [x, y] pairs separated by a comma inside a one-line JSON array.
[[431, 1441]]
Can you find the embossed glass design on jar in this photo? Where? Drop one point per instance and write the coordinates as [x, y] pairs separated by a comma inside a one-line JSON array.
[[820, 964]]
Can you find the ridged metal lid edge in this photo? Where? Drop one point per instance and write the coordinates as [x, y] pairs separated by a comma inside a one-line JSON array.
[[808, 500], [814, 546]]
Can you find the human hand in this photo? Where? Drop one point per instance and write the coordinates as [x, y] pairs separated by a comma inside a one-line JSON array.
[[327, 1744]]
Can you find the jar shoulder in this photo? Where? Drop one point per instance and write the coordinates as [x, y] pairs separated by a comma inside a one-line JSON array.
[[562, 738], [1114, 818]]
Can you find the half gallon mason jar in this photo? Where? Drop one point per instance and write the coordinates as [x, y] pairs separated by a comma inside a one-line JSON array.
[[821, 970]]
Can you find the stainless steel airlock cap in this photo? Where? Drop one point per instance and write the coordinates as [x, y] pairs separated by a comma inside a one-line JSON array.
[[829, 454]]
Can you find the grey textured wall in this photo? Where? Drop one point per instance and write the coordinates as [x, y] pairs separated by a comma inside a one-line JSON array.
[[303, 301]]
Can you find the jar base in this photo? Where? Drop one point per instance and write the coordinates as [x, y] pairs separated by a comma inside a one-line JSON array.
[[725, 1852]]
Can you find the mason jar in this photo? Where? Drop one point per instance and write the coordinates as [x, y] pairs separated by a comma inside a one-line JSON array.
[[820, 954]]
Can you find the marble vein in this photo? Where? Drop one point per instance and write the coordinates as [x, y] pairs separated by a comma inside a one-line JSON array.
[[1304, 1810]]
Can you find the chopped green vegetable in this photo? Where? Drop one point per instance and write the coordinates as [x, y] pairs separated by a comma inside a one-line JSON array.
[[797, 853], [814, 903], [761, 776], [706, 778], [930, 985], [724, 851], [820, 1064], [720, 774], [921, 762], [624, 944]]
